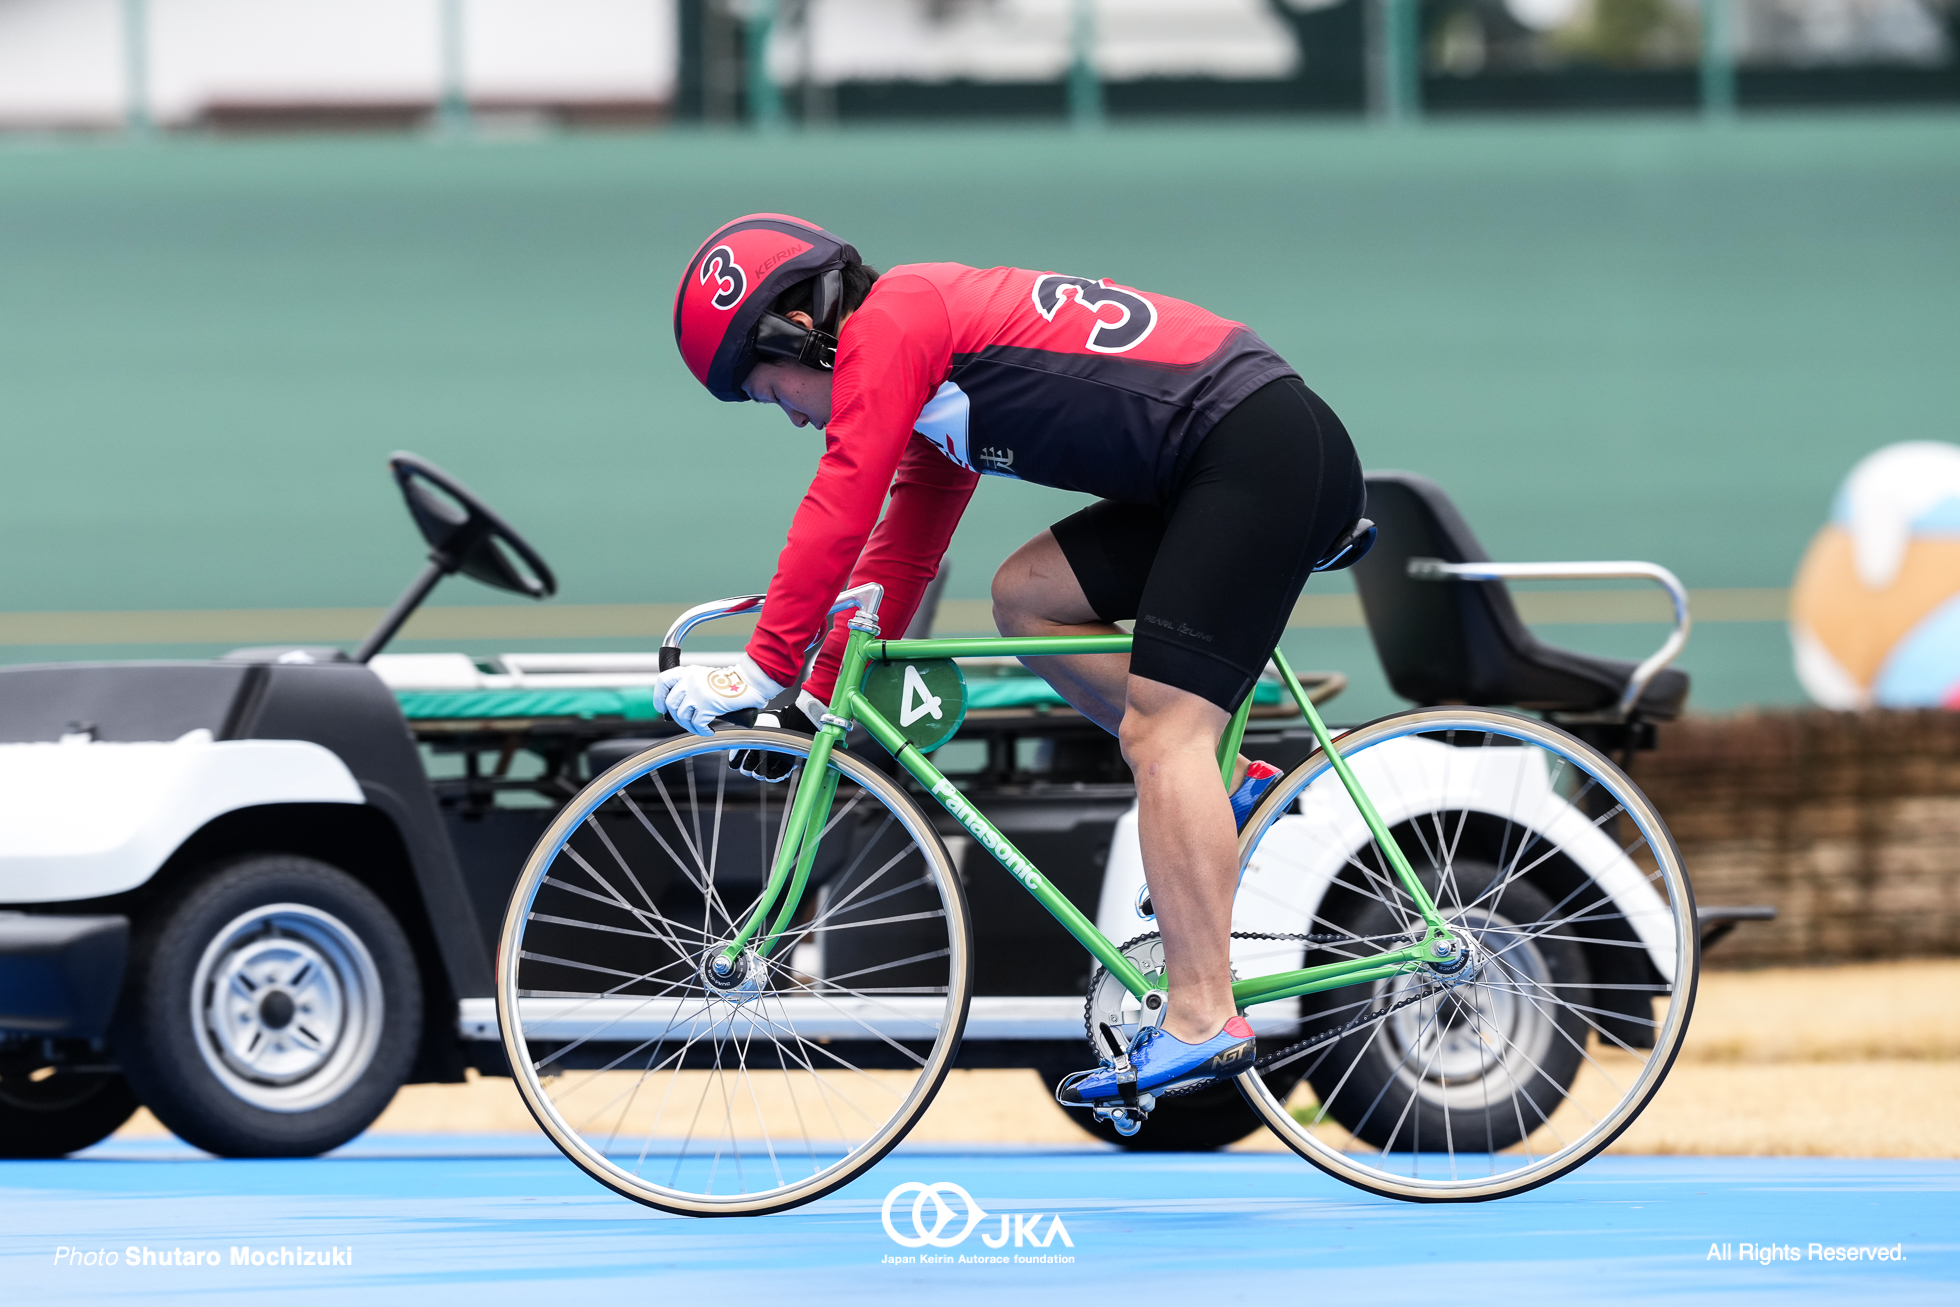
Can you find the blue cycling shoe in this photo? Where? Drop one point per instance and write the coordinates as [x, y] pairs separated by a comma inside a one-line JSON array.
[[1259, 777], [1162, 1063]]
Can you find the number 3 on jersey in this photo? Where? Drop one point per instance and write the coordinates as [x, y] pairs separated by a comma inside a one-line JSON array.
[[1110, 335]]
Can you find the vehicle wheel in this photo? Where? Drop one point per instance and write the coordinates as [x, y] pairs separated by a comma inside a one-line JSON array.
[[1482, 1064], [767, 1087], [273, 1012], [1575, 985], [61, 1113]]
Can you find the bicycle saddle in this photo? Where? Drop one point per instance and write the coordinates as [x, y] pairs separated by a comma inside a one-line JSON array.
[[1348, 546]]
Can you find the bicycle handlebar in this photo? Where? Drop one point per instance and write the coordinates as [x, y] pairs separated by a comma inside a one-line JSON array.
[[865, 598]]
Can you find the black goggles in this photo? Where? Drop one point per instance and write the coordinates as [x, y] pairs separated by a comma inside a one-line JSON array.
[[776, 337]]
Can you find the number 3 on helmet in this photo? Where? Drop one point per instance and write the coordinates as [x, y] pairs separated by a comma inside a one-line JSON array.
[[723, 320]]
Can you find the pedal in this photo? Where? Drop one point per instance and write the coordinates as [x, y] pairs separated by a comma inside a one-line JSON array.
[[1127, 1118]]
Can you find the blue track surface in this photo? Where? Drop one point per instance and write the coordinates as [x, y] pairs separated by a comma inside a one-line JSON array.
[[495, 1220]]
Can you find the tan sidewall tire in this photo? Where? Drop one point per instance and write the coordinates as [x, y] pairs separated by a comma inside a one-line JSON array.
[[865, 1155], [1667, 1040]]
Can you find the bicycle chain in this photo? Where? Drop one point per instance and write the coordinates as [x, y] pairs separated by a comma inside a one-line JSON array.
[[1299, 1048], [1305, 1046]]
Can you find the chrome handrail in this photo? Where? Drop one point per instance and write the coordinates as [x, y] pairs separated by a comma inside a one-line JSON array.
[[1435, 569]]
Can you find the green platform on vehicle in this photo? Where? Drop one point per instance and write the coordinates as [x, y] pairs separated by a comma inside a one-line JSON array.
[[630, 703], [634, 703]]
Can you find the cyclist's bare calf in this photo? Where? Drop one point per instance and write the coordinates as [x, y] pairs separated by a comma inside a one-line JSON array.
[[1170, 739], [1190, 855]]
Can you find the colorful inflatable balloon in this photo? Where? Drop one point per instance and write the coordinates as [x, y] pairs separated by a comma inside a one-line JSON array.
[[1875, 612]]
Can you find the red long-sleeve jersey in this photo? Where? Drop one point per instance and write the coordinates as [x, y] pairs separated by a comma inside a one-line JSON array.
[[946, 372]]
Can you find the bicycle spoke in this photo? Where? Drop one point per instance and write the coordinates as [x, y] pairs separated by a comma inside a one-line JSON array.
[[752, 1083], [651, 917], [613, 901], [1572, 909]]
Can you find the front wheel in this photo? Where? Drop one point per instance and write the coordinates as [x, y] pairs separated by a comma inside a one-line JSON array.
[[1578, 925], [272, 1012], [753, 1091]]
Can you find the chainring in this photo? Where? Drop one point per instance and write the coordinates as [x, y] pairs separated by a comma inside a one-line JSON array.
[[1110, 1004]]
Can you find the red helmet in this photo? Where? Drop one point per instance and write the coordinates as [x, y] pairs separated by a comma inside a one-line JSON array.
[[722, 316]]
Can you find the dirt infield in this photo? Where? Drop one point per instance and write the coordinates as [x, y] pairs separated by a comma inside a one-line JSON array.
[[1856, 1061]]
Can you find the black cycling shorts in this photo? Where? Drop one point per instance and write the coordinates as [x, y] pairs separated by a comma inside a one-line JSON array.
[[1212, 576]]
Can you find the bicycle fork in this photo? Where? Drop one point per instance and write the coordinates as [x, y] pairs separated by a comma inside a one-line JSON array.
[[789, 874]]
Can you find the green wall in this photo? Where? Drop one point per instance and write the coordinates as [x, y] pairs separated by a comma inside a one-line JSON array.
[[1614, 339]]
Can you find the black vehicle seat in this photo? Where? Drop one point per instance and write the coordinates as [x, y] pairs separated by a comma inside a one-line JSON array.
[[1462, 641]]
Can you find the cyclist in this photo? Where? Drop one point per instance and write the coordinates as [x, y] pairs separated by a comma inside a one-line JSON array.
[[1221, 479]]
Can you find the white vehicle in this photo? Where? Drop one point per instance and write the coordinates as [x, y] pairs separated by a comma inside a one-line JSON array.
[[259, 894]]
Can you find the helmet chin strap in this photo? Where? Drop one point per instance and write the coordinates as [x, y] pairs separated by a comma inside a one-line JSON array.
[[826, 298]]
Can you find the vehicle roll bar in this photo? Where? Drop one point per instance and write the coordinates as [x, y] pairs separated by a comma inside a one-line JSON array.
[[1435, 569]]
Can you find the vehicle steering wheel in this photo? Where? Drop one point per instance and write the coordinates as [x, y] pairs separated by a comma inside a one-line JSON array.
[[465, 535]]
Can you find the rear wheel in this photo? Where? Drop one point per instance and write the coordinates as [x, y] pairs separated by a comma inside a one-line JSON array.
[[51, 1112], [1579, 926], [756, 1091]]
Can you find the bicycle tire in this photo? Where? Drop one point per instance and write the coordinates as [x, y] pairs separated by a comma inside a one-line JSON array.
[[1542, 1002], [772, 1016]]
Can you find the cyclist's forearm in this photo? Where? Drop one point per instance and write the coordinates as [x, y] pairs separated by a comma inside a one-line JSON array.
[[826, 537], [905, 550], [890, 362]]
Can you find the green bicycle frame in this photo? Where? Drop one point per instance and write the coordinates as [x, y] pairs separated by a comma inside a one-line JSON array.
[[810, 810]]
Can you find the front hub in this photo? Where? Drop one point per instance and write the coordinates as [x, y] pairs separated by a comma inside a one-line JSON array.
[[740, 979]]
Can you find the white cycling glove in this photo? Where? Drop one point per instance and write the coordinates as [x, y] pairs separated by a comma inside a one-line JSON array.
[[695, 695]]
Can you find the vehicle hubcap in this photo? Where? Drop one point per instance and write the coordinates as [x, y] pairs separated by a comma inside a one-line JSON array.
[[287, 1006], [279, 1006]]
